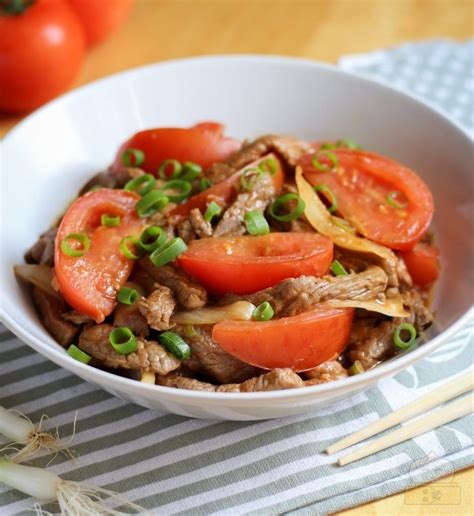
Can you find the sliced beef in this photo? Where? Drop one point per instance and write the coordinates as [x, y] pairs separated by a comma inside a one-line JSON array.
[[258, 198], [77, 318], [187, 293], [42, 251], [157, 308], [185, 231], [131, 317], [201, 227], [209, 358], [149, 357], [51, 309], [274, 380], [326, 372]]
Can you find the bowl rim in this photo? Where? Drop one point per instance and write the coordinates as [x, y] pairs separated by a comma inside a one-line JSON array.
[[60, 357]]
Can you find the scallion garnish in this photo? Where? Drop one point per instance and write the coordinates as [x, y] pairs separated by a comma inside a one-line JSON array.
[[183, 189], [152, 238], [348, 144], [268, 165], [168, 252], [175, 164], [127, 296], [109, 221], [281, 201], [190, 331], [147, 180], [152, 202], [327, 146], [133, 157], [125, 249], [338, 269], [256, 223], [84, 240], [175, 345], [356, 368], [213, 210], [191, 171], [263, 312], [79, 355], [397, 338], [332, 198], [204, 184], [250, 178], [123, 340], [320, 166], [392, 200]]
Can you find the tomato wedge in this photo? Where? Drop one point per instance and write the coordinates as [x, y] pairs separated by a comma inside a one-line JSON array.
[[247, 264], [362, 183], [90, 283], [226, 191], [423, 264], [204, 144], [300, 342]]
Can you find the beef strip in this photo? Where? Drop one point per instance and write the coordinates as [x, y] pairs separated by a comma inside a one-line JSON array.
[[258, 198], [273, 380], [326, 372], [158, 307], [42, 251], [187, 293], [149, 356], [201, 227], [185, 231], [131, 317], [294, 296], [209, 358], [51, 310], [77, 318]]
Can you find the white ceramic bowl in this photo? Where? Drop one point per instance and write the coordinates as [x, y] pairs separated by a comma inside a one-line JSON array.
[[50, 154]]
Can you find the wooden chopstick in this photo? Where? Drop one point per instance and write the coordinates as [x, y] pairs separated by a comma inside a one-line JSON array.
[[446, 414], [434, 398]]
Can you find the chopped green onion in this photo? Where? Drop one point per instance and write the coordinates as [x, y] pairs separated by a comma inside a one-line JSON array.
[[175, 345], [327, 146], [349, 144], [281, 201], [168, 252], [391, 199], [79, 355], [152, 238], [123, 340], [109, 221], [356, 368], [213, 210], [177, 168], [94, 188], [325, 189], [127, 296], [190, 331], [152, 202], [338, 269], [133, 157], [263, 312], [397, 339], [183, 187], [250, 178], [268, 165], [256, 223], [324, 168], [125, 249], [84, 240], [204, 184], [147, 180], [191, 171]]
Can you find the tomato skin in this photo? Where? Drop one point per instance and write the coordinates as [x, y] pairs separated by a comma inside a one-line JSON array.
[[423, 264], [247, 264], [226, 191], [361, 184], [41, 52], [99, 22], [203, 144], [90, 283], [300, 342]]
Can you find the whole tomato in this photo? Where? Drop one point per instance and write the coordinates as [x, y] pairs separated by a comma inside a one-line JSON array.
[[99, 22], [42, 46]]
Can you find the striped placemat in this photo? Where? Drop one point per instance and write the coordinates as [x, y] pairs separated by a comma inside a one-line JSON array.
[[172, 464]]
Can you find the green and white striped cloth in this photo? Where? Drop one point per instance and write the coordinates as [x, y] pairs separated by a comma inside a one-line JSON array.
[[171, 464]]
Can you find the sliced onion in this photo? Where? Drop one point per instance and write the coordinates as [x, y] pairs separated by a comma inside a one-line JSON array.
[[238, 311], [147, 378], [392, 307], [40, 276]]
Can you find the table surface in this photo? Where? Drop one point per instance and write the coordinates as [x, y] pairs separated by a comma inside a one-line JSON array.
[[316, 29]]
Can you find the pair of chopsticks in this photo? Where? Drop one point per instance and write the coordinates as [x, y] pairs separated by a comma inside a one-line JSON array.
[[450, 412]]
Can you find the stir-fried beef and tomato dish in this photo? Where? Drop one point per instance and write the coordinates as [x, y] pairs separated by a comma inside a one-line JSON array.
[[200, 262]]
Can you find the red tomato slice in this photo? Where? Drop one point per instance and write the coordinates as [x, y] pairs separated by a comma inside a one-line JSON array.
[[423, 264], [226, 191], [90, 283], [247, 264], [204, 144], [361, 183], [300, 342]]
